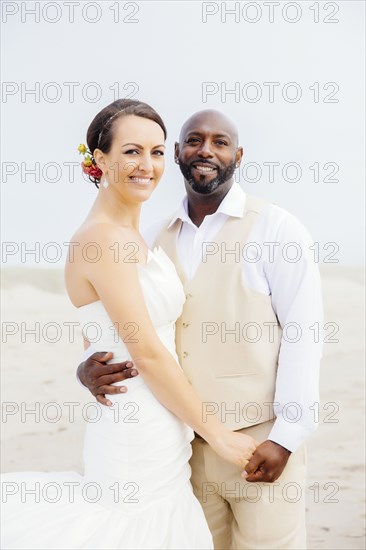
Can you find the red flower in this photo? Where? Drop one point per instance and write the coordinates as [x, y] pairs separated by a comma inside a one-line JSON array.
[[94, 171]]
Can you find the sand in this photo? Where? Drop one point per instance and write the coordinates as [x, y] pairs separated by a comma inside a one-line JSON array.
[[38, 370]]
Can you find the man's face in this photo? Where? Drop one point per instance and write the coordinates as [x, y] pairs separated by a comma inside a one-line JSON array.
[[207, 152]]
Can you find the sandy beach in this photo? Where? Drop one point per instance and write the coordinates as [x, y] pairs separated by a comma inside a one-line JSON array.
[[38, 374]]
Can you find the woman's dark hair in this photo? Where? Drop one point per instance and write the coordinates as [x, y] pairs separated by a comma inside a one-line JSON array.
[[100, 132]]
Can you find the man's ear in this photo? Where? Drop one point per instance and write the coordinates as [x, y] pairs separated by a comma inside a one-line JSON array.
[[238, 155], [176, 151]]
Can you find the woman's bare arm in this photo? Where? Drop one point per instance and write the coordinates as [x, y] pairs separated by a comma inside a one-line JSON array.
[[117, 284]]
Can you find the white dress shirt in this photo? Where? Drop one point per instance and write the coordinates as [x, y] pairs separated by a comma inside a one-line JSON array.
[[279, 262], [285, 269]]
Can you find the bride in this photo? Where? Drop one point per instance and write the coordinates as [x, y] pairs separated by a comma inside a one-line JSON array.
[[136, 491]]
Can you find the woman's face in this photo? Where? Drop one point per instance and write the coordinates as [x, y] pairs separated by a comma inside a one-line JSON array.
[[135, 163]]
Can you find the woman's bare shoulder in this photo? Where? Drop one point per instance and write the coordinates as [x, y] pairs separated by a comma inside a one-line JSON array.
[[103, 232]]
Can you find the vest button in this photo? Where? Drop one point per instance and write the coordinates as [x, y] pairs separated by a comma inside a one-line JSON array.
[[185, 354], [185, 325], [188, 296]]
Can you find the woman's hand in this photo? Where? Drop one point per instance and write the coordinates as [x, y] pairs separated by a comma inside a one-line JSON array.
[[234, 447]]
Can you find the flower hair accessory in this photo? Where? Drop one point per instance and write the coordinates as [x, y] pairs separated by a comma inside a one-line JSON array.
[[89, 165]]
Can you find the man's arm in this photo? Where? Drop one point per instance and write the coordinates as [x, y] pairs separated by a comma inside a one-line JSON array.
[[296, 298]]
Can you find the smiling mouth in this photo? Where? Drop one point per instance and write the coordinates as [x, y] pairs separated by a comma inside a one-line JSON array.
[[204, 168], [140, 181]]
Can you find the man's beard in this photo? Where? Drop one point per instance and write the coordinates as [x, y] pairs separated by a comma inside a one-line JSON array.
[[200, 186]]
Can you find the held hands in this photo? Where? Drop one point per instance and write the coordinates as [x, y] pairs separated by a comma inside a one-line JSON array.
[[262, 462], [234, 447], [97, 376], [267, 462]]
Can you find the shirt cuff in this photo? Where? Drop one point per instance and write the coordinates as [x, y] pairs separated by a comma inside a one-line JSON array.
[[290, 435]]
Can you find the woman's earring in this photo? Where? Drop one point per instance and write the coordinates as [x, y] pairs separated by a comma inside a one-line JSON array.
[[105, 184], [176, 161]]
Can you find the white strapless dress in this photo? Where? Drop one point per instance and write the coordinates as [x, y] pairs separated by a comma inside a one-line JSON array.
[[136, 491]]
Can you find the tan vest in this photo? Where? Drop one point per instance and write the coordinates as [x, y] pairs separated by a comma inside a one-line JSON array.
[[228, 336]]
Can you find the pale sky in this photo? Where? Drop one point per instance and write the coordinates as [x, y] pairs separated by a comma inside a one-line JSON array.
[[182, 57]]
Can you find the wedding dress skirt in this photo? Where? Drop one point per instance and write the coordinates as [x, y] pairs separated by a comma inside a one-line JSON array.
[[136, 491]]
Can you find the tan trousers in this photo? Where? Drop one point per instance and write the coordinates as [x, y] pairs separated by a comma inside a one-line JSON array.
[[253, 516]]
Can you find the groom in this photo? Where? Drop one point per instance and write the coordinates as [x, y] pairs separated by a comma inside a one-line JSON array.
[[245, 340]]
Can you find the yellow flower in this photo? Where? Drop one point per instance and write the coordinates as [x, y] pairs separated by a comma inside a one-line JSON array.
[[88, 161], [82, 149]]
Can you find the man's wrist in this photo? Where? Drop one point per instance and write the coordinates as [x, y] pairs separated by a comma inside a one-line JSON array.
[[78, 371], [281, 446], [290, 435]]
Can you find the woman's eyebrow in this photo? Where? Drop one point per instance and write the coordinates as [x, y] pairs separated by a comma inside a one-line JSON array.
[[140, 146], [134, 145]]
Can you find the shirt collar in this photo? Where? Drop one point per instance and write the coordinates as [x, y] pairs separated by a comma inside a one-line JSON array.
[[231, 205]]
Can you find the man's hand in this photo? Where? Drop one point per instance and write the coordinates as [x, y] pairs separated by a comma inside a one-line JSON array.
[[267, 463], [97, 376]]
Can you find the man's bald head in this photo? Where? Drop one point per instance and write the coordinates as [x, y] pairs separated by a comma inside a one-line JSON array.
[[212, 119], [208, 153]]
